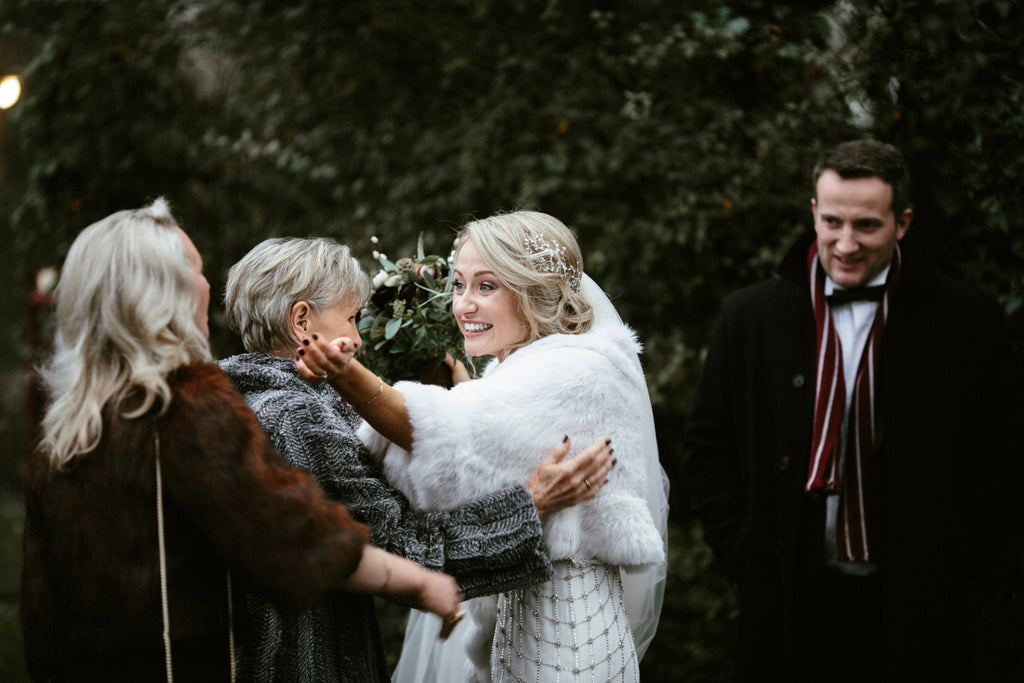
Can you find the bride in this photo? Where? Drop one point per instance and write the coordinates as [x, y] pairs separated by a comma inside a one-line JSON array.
[[562, 358]]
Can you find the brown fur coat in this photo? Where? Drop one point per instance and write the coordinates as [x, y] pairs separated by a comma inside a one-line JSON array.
[[91, 591]]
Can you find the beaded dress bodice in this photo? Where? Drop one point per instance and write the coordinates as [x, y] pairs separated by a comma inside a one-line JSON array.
[[573, 627]]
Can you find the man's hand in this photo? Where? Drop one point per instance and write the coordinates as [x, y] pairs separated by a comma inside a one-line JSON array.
[[556, 485]]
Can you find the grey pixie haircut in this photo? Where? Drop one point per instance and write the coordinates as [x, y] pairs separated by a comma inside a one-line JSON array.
[[547, 300], [278, 273]]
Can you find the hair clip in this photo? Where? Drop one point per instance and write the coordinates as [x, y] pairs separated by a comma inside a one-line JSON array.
[[552, 259]]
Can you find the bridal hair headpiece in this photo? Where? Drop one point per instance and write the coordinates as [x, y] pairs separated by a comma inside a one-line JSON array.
[[551, 259]]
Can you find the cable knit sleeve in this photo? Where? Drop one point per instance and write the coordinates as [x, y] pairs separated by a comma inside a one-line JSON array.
[[266, 518], [491, 544]]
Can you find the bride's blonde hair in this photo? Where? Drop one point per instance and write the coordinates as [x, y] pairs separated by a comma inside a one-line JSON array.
[[537, 257], [125, 319]]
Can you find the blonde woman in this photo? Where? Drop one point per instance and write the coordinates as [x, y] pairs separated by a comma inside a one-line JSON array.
[[154, 497], [563, 361]]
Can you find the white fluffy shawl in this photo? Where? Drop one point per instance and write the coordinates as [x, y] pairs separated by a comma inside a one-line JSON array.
[[492, 432]]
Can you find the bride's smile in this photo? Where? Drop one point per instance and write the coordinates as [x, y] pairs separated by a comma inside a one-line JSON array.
[[485, 307], [471, 328]]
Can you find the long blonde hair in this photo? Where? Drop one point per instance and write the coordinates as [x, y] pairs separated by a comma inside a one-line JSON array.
[[537, 257], [125, 319]]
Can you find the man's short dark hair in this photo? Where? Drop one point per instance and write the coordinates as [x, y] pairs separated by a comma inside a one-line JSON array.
[[869, 159]]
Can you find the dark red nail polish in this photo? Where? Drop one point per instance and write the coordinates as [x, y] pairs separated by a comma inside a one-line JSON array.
[[302, 352], [614, 462], [314, 336], [607, 442], [306, 342], [565, 438]]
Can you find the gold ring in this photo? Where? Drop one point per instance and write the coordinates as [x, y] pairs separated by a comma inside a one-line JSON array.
[[587, 483], [457, 617]]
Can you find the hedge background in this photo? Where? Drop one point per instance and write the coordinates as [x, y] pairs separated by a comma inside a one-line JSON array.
[[676, 138]]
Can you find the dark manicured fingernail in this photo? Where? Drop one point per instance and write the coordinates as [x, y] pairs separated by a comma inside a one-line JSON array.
[[315, 336], [607, 442], [614, 462], [306, 342], [302, 352], [565, 438]]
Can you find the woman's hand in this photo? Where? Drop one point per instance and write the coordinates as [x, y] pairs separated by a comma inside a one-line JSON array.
[[319, 359], [459, 371], [394, 576], [425, 589], [442, 596], [378, 403], [556, 485]]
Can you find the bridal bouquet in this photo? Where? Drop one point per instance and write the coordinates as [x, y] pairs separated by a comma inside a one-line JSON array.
[[407, 325]]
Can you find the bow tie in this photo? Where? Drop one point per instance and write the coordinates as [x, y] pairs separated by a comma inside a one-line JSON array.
[[838, 297]]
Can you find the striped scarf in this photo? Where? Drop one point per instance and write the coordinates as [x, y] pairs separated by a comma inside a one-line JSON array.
[[824, 472]]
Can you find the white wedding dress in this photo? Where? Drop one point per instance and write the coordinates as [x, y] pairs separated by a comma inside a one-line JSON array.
[[570, 628], [573, 627], [595, 617]]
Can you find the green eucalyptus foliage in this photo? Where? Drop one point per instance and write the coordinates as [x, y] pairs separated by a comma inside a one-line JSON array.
[[407, 326]]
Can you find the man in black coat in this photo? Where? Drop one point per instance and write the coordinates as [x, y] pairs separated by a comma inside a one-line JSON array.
[[854, 447]]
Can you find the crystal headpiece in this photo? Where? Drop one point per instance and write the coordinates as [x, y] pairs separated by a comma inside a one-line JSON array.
[[551, 259]]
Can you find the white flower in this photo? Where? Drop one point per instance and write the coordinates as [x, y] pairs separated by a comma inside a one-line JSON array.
[[379, 278], [374, 240]]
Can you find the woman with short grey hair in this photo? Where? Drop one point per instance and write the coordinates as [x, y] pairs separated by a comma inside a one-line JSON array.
[[285, 290], [282, 273]]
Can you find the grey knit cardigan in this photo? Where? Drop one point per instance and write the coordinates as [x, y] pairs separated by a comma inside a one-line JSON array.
[[490, 546]]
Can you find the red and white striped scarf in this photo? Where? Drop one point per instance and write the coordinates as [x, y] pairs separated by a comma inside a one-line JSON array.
[[826, 447]]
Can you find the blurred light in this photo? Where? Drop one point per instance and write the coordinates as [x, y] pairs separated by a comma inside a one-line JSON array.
[[10, 91]]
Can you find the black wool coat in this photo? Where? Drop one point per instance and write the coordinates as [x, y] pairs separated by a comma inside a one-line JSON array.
[[949, 444]]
